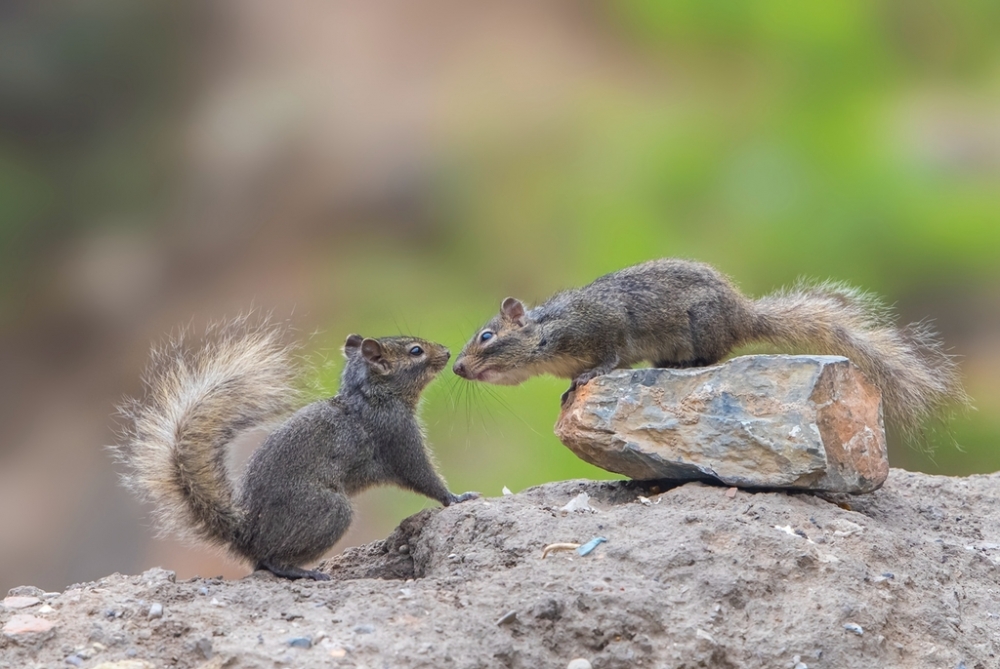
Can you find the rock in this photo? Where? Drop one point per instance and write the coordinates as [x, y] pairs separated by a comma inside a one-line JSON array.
[[579, 503], [762, 421], [692, 559], [364, 629], [300, 642], [28, 591], [507, 618], [27, 630], [155, 610], [158, 575], [578, 663], [18, 602], [125, 664], [204, 648]]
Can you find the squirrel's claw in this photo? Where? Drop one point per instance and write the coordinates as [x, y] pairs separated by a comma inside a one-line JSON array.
[[292, 573], [464, 497], [581, 380], [565, 396]]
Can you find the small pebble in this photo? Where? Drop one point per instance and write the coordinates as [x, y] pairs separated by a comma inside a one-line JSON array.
[[202, 590], [75, 660], [20, 602], [404, 549], [204, 647], [22, 624], [853, 627], [578, 503], [364, 629], [506, 618], [300, 642], [155, 610], [578, 663]]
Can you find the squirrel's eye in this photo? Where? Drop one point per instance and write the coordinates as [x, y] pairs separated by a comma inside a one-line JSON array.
[[486, 336], [416, 350]]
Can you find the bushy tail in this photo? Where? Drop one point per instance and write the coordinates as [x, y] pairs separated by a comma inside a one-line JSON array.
[[909, 365], [197, 400]]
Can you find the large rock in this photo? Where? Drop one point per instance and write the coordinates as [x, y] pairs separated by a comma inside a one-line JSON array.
[[690, 576], [763, 421]]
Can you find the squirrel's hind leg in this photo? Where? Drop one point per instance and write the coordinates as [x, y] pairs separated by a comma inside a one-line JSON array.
[[292, 573]]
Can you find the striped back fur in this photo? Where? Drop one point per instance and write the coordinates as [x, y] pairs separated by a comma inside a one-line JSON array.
[[909, 365], [197, 401]]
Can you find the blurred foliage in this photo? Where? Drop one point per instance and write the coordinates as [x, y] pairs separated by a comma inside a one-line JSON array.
[[86, 92]]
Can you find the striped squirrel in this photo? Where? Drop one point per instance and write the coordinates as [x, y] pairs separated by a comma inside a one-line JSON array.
[[680, 313]]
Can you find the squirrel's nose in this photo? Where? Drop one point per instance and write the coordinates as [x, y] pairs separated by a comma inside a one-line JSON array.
[[459, 369], [447, 354]]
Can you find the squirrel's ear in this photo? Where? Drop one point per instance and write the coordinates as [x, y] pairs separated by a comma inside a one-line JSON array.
[[513, 310], [352, 344], [371, 351]]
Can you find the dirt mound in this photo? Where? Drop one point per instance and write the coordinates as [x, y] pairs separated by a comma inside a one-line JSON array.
[[690, 576]]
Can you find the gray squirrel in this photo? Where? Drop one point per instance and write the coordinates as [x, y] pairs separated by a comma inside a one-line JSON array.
[[292, 503], [680, 313]]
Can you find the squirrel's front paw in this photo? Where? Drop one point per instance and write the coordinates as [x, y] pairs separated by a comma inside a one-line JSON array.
[[565, 396], [577, 383], [464, 497]]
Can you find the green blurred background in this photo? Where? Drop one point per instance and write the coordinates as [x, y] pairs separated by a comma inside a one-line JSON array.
[[391, 166]]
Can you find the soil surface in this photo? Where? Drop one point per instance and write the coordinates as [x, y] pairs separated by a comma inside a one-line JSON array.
[[690, 576]]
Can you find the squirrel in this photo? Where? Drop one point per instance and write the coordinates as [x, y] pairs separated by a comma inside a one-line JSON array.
[[292, 502], [681, 313]]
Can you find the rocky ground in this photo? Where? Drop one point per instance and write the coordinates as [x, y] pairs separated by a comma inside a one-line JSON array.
[[690, 576]]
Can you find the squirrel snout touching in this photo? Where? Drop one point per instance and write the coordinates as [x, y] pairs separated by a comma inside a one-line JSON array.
[[459, 368]]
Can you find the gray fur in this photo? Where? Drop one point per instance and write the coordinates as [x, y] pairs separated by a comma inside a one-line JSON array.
[[679, 313], [293, 501]]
